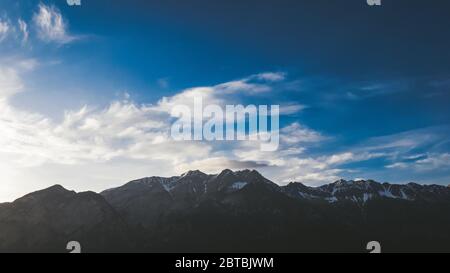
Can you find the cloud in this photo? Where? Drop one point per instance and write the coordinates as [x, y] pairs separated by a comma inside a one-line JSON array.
[[292, 162], [121, 130], [26, 64], [11, 69], [349, 157], [318, 170], [48, 23], [222, 94], [433, 162], [407, 141], [291, 108], [23, 27], [127, 132], [296, 133], [402, 150], [420, 150], [51, 26], [340, 158], [135, 138], [242, 86], [10, 82], [5, 28], [429, 162], [362, 91], [271, 76], [397, 165]]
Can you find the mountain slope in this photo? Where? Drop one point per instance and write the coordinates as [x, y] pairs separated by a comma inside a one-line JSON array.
[[230, 212], [243, 211], [362, 191], [46, 220]]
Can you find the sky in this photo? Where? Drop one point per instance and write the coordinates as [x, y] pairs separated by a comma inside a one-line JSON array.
[[86, 91]]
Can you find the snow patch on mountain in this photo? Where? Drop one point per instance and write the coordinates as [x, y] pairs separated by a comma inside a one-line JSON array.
[[238, 185]]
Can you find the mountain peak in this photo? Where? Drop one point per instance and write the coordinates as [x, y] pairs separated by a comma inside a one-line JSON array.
[[196, 184], [249, 173], [193, 173], [343, 182], [296, 184], [226, 171], [55, 190], [56, 187]]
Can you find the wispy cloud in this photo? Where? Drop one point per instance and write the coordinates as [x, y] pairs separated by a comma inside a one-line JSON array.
[[5, 28], [292, 108], [296, 133], [23, 27], [374, 89], [10, 82], [51, 26], [271, 76], [428, 162], [11, 69]]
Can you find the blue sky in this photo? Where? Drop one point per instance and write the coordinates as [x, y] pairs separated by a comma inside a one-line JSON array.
[[366, 88]]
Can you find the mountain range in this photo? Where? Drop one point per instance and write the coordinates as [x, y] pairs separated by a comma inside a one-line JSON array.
[[239, 211]]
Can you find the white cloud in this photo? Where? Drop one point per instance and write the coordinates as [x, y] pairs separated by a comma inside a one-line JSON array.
[[51, 26], [397, 165], [292, 108], [4, 29], [10, 82], [242, 86], [222, 94], [125, 140], [355, 156], [271, 76], [122, 130], [23, 27], [434, 161], [340, 158], [126, 132], [10, 75], [296, 133], [422, 163], [305, 169]]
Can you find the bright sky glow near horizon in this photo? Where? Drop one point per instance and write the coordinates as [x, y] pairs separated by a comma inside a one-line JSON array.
[[86, 92]]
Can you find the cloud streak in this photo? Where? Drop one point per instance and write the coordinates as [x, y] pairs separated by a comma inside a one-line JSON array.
[[23, 27], [51, 26], [4, 29]]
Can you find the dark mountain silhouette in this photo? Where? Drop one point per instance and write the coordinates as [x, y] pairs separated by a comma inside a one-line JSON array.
[[45, 221], [230, 212]]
